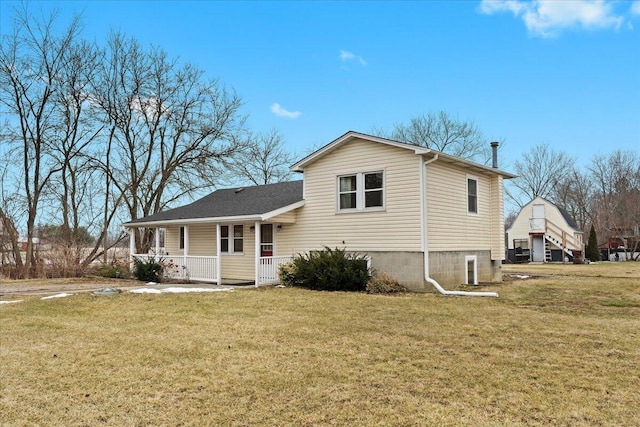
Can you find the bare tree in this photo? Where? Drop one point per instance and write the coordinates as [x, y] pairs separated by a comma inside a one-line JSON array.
[[540, 169], [441, 132], [616, 205], [574, 193], [262, 160], [32, 59], [170, 129]]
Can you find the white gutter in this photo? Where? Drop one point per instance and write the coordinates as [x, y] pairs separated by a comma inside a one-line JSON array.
[[425, 241]]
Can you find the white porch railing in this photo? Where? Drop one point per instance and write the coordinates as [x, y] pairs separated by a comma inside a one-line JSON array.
[[201, 268], [269, 267]]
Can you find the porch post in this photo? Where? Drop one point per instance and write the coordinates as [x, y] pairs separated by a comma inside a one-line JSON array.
[[157, 241], [218, 255], [257, 252], [132, 245], [185, 251]]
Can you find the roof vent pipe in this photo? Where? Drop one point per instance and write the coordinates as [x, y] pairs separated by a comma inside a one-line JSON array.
[[494, 152]]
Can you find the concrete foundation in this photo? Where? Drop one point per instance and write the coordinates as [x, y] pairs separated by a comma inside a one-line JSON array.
[[407, 267], [447, 268]]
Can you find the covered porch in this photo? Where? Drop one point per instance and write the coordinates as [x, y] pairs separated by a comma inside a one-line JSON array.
[[217, 253], [236, 234]]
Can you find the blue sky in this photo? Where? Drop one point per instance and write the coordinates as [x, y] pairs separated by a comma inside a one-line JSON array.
[[563, 73]]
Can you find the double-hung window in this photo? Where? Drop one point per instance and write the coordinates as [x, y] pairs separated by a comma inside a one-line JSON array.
[[231, 238], [472, 195], [361, 191]]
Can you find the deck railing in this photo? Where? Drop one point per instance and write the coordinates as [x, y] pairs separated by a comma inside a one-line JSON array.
[[269, 267], [202, 268]]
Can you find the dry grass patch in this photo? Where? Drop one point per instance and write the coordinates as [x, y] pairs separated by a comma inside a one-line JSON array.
[[549, 351]]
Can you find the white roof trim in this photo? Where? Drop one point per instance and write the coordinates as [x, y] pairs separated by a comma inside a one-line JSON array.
[[299, 166], [238, 218], [187, 221], [418, 150]]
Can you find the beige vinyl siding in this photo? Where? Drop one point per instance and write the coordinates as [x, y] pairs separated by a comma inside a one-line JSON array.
[[172, 240], [449, 224], [241, 266], [202, 239], [202, 242], [285, 218], [396, 228]]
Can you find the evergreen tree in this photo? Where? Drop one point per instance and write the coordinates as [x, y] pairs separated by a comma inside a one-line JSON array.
[[592, 252]]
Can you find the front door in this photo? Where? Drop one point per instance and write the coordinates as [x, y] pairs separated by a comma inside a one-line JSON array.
[[266, 240]]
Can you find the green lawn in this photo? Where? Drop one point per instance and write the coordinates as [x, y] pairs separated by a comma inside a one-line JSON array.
[[553, 350]]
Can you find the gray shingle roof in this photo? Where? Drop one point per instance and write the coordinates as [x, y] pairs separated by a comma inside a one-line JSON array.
[[234, 202]]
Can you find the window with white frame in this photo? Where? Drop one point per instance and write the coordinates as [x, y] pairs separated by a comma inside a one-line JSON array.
[[182, 229], [231, 238], [472, 195], [361, 191]]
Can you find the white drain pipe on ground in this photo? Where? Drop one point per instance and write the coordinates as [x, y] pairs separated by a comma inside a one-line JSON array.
[[423, 185]]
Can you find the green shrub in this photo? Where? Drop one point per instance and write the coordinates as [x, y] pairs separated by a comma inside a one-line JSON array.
[[114, 271], [147, 269], [286, 272], [327, 270], [384, 284]]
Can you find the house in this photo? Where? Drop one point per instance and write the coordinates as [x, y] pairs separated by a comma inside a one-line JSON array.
[[544, 232], [420, 215]]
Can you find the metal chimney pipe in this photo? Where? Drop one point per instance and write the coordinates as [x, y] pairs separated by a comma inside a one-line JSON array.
[[494, 151]]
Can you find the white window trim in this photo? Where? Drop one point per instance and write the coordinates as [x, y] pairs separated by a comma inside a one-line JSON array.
[[466, 184], [474, 259], [360, 192], [230, 238]]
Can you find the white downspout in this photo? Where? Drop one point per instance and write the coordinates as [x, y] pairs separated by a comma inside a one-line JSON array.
[[425, 241]]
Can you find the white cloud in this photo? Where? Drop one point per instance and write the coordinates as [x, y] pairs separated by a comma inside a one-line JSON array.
[[281, 112], [635, 7], [345, 56], [547, 18]]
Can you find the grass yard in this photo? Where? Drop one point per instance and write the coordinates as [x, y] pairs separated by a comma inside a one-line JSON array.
[[562, 348]]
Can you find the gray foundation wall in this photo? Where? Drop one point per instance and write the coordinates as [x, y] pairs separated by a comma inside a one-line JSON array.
[[407, 267], [447, 268]]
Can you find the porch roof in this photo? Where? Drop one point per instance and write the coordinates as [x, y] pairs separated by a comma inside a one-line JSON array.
[[258, 202]]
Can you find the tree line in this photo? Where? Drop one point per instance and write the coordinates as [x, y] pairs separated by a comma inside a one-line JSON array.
[[96, 134]]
